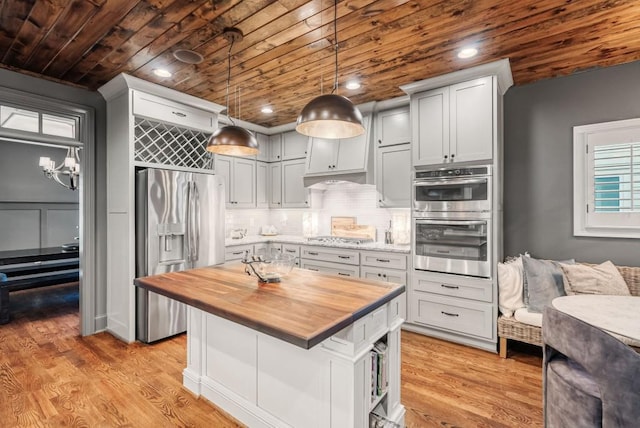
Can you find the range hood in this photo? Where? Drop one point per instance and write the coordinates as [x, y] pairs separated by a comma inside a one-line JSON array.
[[343, 160], [323, 181]]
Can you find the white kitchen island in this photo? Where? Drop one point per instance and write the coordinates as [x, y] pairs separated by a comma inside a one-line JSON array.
[[305, 352]]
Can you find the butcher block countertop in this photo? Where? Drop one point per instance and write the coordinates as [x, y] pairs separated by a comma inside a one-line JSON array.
[[304, 309]]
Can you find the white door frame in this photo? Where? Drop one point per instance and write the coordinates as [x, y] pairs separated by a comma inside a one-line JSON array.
[[87, 187]]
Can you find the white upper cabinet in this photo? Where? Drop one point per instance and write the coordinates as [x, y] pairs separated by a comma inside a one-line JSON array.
[[167, 111], [430, 120], [240, 180], [393, 176], [343, 155], [262, 185], [294, 145], [263, 147], [322, 155], [294, 194], [275, 185], [453, 123], [393, 127], [275, 147]]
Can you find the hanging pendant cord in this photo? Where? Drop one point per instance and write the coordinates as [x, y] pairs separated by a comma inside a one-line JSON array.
[[229, 80], [335, 38]]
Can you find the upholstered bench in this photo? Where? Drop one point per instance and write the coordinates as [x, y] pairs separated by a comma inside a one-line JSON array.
[[511, 329]]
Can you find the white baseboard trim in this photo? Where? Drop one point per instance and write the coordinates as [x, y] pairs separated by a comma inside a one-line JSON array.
[[243, 410], [100, 323]]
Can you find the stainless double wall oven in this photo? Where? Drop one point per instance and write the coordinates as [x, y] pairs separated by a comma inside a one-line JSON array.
[[452, 220]]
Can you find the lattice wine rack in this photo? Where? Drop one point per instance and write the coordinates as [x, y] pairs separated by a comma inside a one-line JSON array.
[[169, 145]]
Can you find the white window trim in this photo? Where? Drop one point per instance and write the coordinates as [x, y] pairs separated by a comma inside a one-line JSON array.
[[581, 183]]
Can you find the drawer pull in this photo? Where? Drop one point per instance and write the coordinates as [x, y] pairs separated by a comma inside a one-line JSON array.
[[312, 253], [344, 257], [290, 251], [452, 287], [383, 260], [237, 253], [443, 251], [343, 274], [315, 270], [179, 114], [449, 314]]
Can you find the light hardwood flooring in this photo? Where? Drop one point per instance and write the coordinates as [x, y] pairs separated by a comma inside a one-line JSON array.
[[52, 377]]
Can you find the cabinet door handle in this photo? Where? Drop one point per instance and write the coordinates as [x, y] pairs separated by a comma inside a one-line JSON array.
[[179, 114], [344, 257], [449, 314], [452, 287], [290, 251], [383, 260], [344, 274], [446, 157], [312, 253], [379, 141], [452, 156]]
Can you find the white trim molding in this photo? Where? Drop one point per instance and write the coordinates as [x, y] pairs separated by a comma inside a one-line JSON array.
[[586, 221]]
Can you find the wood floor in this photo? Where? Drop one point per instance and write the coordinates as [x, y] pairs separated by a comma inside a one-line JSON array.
[[52, 377]]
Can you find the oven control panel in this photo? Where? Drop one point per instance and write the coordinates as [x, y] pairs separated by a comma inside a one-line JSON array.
[[453, 172]]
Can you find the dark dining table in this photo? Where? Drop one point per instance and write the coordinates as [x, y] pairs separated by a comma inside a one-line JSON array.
[[32, 268]]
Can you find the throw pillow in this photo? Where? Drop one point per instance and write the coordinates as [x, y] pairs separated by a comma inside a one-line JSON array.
[[510, 286], [602, 279], [542, 282]]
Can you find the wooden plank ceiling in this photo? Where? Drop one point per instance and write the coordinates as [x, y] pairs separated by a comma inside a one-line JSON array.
[[286, 56]]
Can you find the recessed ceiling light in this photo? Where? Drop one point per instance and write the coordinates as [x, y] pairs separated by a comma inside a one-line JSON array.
[[467, 53], [161, 72], [352, 85], [267, 110]]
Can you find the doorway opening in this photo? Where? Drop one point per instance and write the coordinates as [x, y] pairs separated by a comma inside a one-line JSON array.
[[39, 211]]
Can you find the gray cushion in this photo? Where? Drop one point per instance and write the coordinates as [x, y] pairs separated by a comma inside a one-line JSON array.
[[542, 282]]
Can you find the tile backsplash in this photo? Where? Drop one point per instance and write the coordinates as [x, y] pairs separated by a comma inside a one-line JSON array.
[[342, 199]]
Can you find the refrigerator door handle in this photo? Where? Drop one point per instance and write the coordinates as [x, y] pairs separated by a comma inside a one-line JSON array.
[[194, 222]]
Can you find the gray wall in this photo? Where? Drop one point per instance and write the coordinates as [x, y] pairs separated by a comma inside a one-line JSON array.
[[538, 161], [92, 99], [22, 180]]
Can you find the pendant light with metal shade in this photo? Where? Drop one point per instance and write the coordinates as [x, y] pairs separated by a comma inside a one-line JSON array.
[[331, 115], [232, 139]]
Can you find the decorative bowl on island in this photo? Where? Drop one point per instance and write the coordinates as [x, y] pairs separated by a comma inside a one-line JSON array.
[[269, 267]]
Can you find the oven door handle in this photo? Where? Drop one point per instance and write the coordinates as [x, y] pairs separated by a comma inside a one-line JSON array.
[[454, 222], [453, 182]]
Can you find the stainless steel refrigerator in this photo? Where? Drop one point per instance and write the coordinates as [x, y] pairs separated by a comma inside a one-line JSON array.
[[179, 226]]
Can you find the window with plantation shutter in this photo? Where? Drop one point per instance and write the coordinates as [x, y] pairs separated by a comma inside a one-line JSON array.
[[607, 179]]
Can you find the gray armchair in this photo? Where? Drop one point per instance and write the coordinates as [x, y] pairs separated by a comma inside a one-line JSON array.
[[590, 378]]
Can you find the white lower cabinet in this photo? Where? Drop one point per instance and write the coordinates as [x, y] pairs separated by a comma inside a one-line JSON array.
[[335, 261], [452, 307], [236, 252], [389, 275], [292, 250], [331, 268], [330, 254], [449, 313]]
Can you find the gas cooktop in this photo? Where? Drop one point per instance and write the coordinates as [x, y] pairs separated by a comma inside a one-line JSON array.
[[339, 240]]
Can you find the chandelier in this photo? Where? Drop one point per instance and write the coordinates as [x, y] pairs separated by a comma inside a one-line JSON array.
[[67, 173]]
